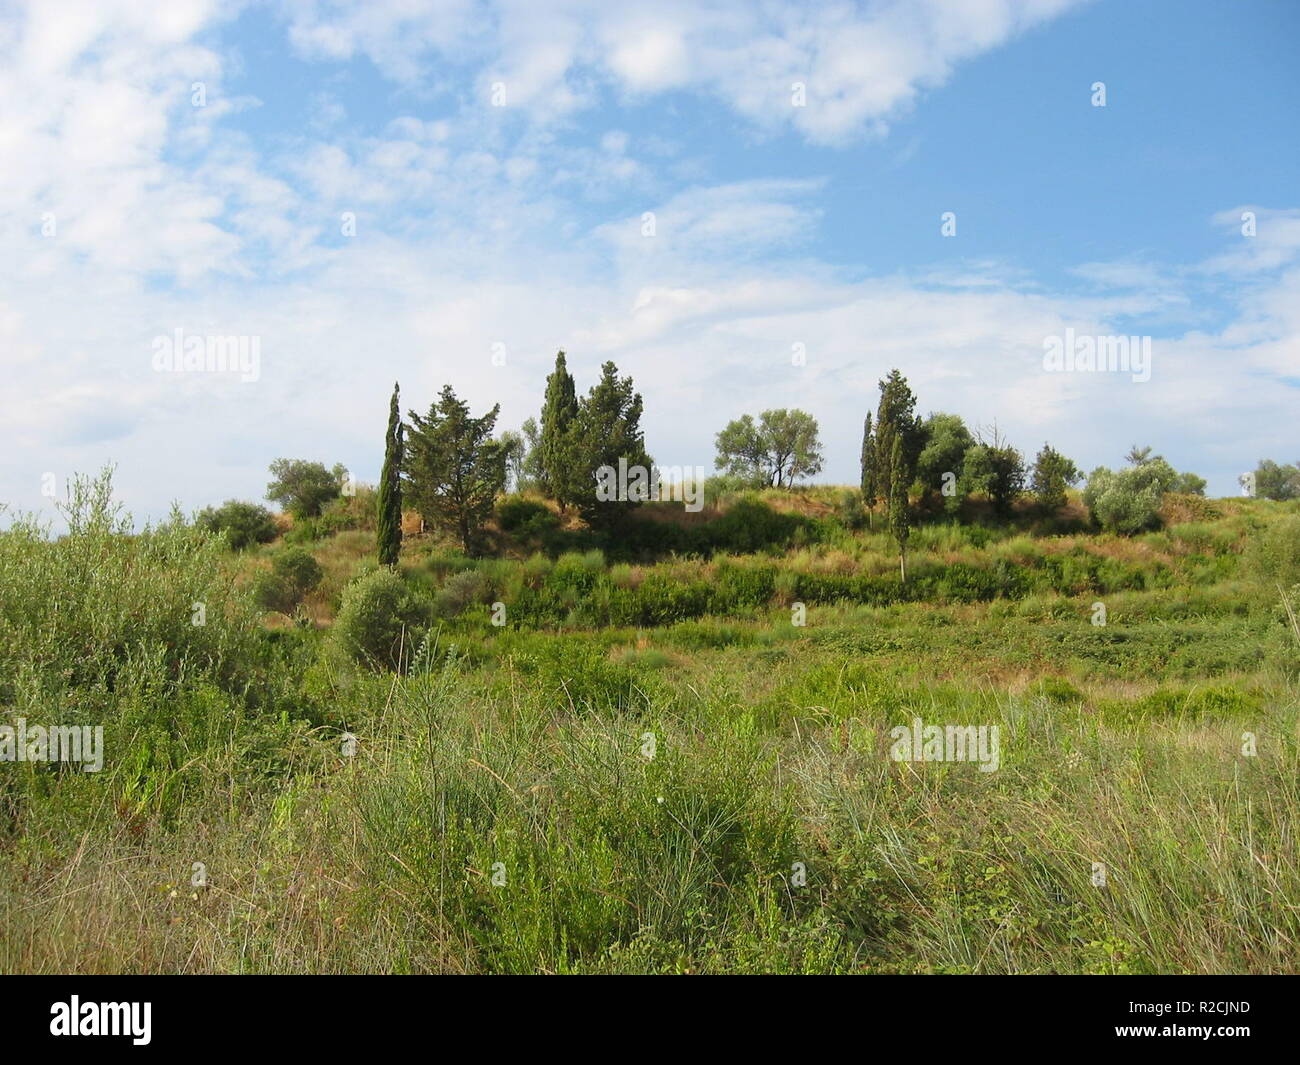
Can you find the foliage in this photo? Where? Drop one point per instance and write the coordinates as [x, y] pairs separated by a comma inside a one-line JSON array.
[[348, 513], [608, 431], [293, 574], [1273, 554], [1129, 501], [454, 469], [76, 612], [303, 488], [1053, 473], [1279, 482], [947, 440], [516, 451], [895, 420], [560, 465], [531, 475], [781, 448], [997, 470], [867, 462], [388, 525], [242, 523], [381, 621], [900, 521]]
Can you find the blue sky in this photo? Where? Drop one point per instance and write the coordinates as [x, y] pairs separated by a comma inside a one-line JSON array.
[[522, 225]]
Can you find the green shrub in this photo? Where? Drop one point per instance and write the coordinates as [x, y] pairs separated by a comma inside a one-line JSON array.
[[293, 574], [1273, 553], [1129, 501], [303, 531], [380, 620], [1060, 691], [461, 591], [579, 673], [723, 487], [751, 526], [743, 585], [576, 572], [76, 611], [357, 511], [526, 518], [849, 511], [242, 523]]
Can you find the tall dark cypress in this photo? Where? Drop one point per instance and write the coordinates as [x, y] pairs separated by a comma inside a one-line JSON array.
[[559, 477], [900, 518], [390, 487], [868, 465]]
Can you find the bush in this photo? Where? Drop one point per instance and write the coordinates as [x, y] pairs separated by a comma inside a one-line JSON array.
[[1129, 501], [849, 512], [577, 572], [1273, 554], [242, 523], [79, 610], [460, 591], [525, 517], [719, 489], [293, 573], [380, 620], [751, 526], [357, 511]]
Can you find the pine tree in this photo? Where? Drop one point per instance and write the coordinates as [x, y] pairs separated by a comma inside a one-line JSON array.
[[608, 429], [558, 476], [900, 519], [389, 519], [1053, 473], [454, 469]]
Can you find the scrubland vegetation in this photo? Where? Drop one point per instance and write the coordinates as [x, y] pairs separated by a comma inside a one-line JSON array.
[[585, 752]]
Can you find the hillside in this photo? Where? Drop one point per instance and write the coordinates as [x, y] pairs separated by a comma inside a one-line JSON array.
[[662, 761]]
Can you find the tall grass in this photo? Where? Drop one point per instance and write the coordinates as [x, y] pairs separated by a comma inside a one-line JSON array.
[[708, 790]]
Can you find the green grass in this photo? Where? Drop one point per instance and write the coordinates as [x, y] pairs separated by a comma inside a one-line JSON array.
[[650, 768]]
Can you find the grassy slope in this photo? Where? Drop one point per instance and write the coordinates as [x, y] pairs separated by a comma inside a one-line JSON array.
[[517, 753]]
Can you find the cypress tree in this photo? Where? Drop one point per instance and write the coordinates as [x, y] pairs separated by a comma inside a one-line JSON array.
[[868, 467], [389, 500], [558, 478], [896, 419], [900, 520]]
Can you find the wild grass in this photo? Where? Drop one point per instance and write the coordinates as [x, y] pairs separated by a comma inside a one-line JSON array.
[[581, 790]]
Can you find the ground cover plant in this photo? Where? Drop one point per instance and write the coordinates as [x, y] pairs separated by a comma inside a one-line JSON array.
[[569, 759]]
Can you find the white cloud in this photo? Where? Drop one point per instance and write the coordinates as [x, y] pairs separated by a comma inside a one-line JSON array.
[[862, 64]]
